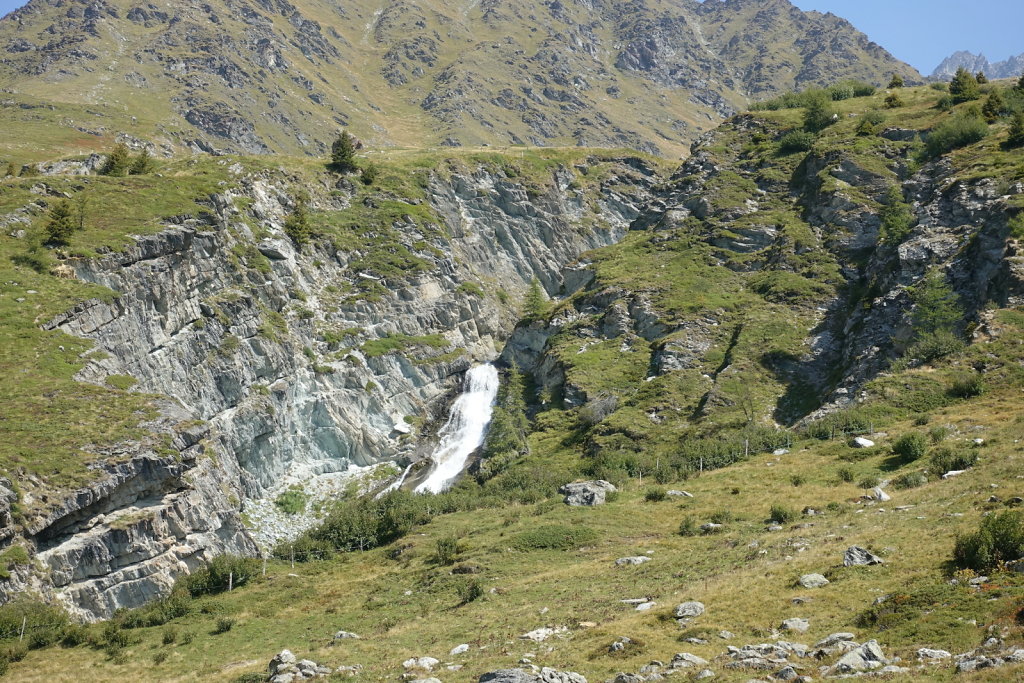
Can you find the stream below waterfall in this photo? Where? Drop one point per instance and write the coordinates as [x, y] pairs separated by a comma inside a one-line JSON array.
[[465, 430]]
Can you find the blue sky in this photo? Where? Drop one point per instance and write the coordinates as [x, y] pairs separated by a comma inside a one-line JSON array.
[[920, 32]]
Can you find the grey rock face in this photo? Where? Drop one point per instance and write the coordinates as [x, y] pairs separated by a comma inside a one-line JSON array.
[[585, 493], [865, 658], [191, 323]]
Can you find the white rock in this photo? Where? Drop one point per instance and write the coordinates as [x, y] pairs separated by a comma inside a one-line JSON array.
[[626, 561], [688, 609], [928, 654], [645, 606], [952, 473], [861, 442], [427, 663], [459, 649], [880, 495], [813, 581], [541, 634], [795, 624]]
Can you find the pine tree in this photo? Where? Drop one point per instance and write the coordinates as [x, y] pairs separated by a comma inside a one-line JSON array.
[[296, 225], [993, 107], [343, 153], [61, 223], [81, 203], [897, 218], [981, 78], [142, 164], [1020, 84], [118, 162], [534, 306], [865, 127], [964, 86], [937, 307], [896, 81], [1016, 138]]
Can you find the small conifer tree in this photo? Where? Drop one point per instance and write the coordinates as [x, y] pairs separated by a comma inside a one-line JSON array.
[[964, 86], [897, 218], [296, 225], [61, 223], [937, 307], [993, 107], [534, 306], [343, 153], [981, 78], [118, 162], [141, 164], [896, 81], [819, 113], [1020, 84], [1016, 138]]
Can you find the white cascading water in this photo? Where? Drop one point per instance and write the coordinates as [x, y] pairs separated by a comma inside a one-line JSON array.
[[465, 430]]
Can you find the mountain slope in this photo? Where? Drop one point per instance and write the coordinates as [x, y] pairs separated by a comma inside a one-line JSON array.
[[259, 76]]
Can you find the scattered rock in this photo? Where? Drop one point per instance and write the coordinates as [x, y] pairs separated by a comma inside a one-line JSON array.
[[796, 624], [834, 638], [952, 473], [585, 493], [786, 673], [927, 654], [541, 634], [646, 606], [855, 556], [865, 658], [635, 560], [711, 527], [344, 635], [679, 494], [286, 668], [459, 649], [688, 610], [704, 674], [813, 581], [620, 644], [685, 660], [725, 635], [425, 663]]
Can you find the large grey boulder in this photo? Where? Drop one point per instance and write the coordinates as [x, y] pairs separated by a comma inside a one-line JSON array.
[[635, 560], [795, 624], [546, 675], [855, 556], [584, 493]]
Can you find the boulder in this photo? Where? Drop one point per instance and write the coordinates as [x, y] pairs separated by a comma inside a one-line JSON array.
[[541, 634], [508, 676], [795, 624], [283, 662], [786, 673], [687, 610], [855, 556], [425, 663], [685, 660], [881, 496], [345, 635], [813, 581], [585, 493], [867, 657], [679, 494], [861, 442], [927, 654], [459, 649], [835, 638], [276, 249], [635, 560]]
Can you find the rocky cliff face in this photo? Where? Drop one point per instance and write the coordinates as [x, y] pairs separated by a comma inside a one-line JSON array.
[[255, 76], [802, 294], [266, 370], [1012, 67]]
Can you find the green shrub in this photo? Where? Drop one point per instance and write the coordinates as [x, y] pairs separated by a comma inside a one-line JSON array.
[[446, 550], [868, 482], [895, 82], [967, 385], [224, 624], [940, 86], [797, 480], [655, 495], [819, 113], [158, 612], [945, 459], [964, 86], [796, 141], [555, 537], [187, 637], [74, 635], [292, 502], [782, 514], [909, 480], [222, 570], [369, 174], [469, 590], [999, 538], [896, 216], [722, 516], [959, 131], [170, 635], [938, 434], [933, 345], [911, 446], [688, 527], [1016, 134], [44, 624], [845, 474], [893, 101]]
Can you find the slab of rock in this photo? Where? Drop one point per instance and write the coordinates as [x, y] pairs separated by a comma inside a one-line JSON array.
[[795, 624], [687, 610], [835, 638], [585, 493], [276, 249], [541, 634], [635, 560], [861, 442], [426, 663], [881, 496], [813, 581], [459, 649], [345, 635], [508, 676], [679, 494], [685, 660], [855, 556], [867, 657], [928, 654], [646, 606]]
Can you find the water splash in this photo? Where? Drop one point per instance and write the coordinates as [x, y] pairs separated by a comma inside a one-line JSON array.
[[465, 429]]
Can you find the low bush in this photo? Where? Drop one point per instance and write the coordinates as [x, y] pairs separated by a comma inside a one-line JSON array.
[[221, 572], [688, 527], [945, 459], [446, 550], [935, 345], [796, 141], [909, 480], [655, 495], [959, 131], [868, 482], [44, 624], [782, 514], [224, 624], [967, 385], [797, 480], [555, 537], [845, 474], [470, 590], [999, 538], [911, 446]]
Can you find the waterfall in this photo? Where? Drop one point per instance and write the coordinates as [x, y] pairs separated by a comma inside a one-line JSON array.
[[465, 429]]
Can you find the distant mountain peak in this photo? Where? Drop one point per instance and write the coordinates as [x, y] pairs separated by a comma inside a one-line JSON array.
[[1008, 68]]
